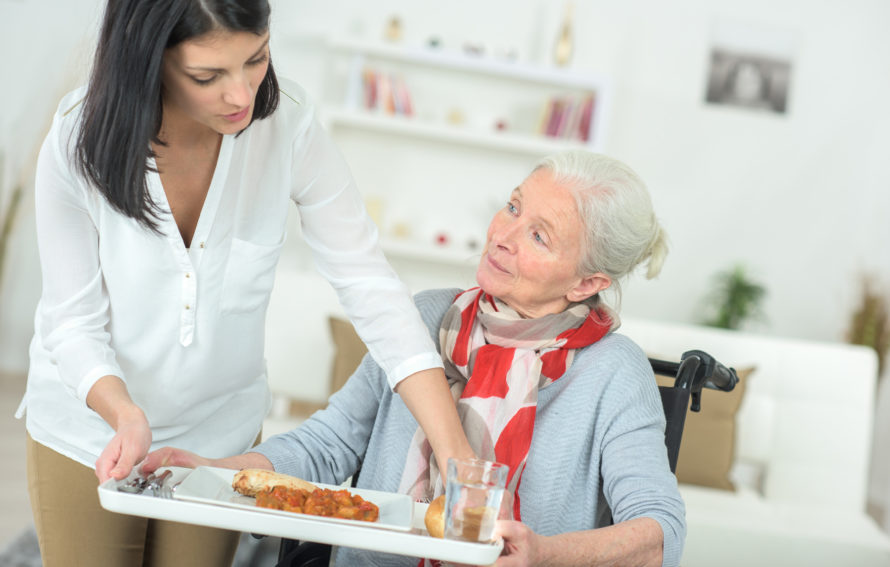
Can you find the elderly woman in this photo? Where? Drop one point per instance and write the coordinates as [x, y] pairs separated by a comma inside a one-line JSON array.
[[543, 384]]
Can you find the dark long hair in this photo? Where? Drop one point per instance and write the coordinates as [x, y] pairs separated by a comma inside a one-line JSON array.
[[122, 111]]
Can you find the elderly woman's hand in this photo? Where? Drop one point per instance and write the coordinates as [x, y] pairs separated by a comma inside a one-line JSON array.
[[522, 546], [172, 457]]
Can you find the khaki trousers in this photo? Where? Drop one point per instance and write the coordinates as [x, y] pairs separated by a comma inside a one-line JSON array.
[[75, 531]]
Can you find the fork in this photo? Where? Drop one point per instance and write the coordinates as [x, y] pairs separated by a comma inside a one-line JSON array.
[[156, 485], [167, 489], [159, 485]]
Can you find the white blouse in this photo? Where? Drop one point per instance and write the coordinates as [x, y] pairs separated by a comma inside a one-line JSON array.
[[184, 327]]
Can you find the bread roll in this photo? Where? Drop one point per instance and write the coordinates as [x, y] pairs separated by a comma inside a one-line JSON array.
[[435, 517], [250, 481]]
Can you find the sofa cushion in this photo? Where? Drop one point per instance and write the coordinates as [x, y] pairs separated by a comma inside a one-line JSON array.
[[837, 382], [742, 529], [348, 351], [707, 451]]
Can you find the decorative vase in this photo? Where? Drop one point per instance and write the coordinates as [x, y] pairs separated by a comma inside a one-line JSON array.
[[562, 53], [393, 31]]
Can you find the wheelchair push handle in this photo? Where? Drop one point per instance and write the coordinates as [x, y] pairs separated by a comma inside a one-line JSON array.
[[696, 370], [715, 375]]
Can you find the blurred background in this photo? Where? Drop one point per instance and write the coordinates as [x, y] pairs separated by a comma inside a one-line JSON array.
[[760, 128]]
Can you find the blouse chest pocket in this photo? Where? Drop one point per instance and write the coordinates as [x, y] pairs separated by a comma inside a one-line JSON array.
[[249, 276]]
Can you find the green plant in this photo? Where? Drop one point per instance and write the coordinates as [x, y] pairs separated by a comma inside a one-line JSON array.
[[870, 323], [734, 299]]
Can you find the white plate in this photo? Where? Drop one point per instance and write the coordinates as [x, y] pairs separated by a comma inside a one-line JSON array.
[[413, 543], [214, 486]]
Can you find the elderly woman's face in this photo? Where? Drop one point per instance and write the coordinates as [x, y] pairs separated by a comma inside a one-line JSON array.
[[533, 250]]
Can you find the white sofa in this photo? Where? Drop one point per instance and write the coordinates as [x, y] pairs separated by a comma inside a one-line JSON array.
[[803, 437]]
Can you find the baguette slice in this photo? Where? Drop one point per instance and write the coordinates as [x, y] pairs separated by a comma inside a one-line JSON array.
[[250, 481]]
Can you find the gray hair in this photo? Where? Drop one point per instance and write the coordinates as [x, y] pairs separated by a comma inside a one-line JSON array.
[[621, 230]]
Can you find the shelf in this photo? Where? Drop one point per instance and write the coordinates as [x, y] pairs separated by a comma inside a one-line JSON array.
[[534, 145], [469, 63], [558, 84], [411, 250]]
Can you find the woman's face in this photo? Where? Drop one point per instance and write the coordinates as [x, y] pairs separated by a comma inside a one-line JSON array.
[[533, 250], [213, 79]]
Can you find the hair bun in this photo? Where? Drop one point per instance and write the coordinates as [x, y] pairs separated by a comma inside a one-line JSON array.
[[657, 252]]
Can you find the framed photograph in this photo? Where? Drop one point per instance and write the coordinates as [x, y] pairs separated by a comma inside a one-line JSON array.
[[750, 68]]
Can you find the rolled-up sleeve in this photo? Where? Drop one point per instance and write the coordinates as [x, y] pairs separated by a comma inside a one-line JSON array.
[[345, 247], [74, 312]]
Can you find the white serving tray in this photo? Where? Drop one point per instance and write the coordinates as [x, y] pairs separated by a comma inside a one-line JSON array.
[[209, 508]]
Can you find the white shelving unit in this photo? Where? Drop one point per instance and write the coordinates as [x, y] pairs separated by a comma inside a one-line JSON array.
[[533, 145], [469, 63], [408, 250], [467, 68]]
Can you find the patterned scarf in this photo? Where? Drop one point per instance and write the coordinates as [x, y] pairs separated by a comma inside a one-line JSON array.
[[496, 361]]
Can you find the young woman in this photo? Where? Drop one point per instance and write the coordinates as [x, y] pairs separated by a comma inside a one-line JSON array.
[[162, 197]]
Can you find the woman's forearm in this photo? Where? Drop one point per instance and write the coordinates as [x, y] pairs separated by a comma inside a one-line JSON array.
[[249, 460], [173, 457], [110, 399], [132, 438], [637, 542], [427, 395]]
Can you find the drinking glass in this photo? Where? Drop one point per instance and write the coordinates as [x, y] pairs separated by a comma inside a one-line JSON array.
[[474, 490]]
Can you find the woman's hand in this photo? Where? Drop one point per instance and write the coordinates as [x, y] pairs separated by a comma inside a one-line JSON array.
[[522, 546], [129, 445], [132, 438]]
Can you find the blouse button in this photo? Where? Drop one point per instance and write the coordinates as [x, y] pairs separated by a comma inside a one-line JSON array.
[[202, 245], [187, 307], [188, 275]]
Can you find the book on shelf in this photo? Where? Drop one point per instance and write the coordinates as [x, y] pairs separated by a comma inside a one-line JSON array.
[[385, 92], [369, 83], [568, 117], [401, 96], [586, 120]]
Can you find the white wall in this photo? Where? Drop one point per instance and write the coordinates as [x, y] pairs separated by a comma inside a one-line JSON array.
[[801, 198], [46, 47]]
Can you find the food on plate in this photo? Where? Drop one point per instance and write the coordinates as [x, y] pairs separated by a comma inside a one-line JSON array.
[[291, 494], [319, 502], [435, 517], [251, 481]]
